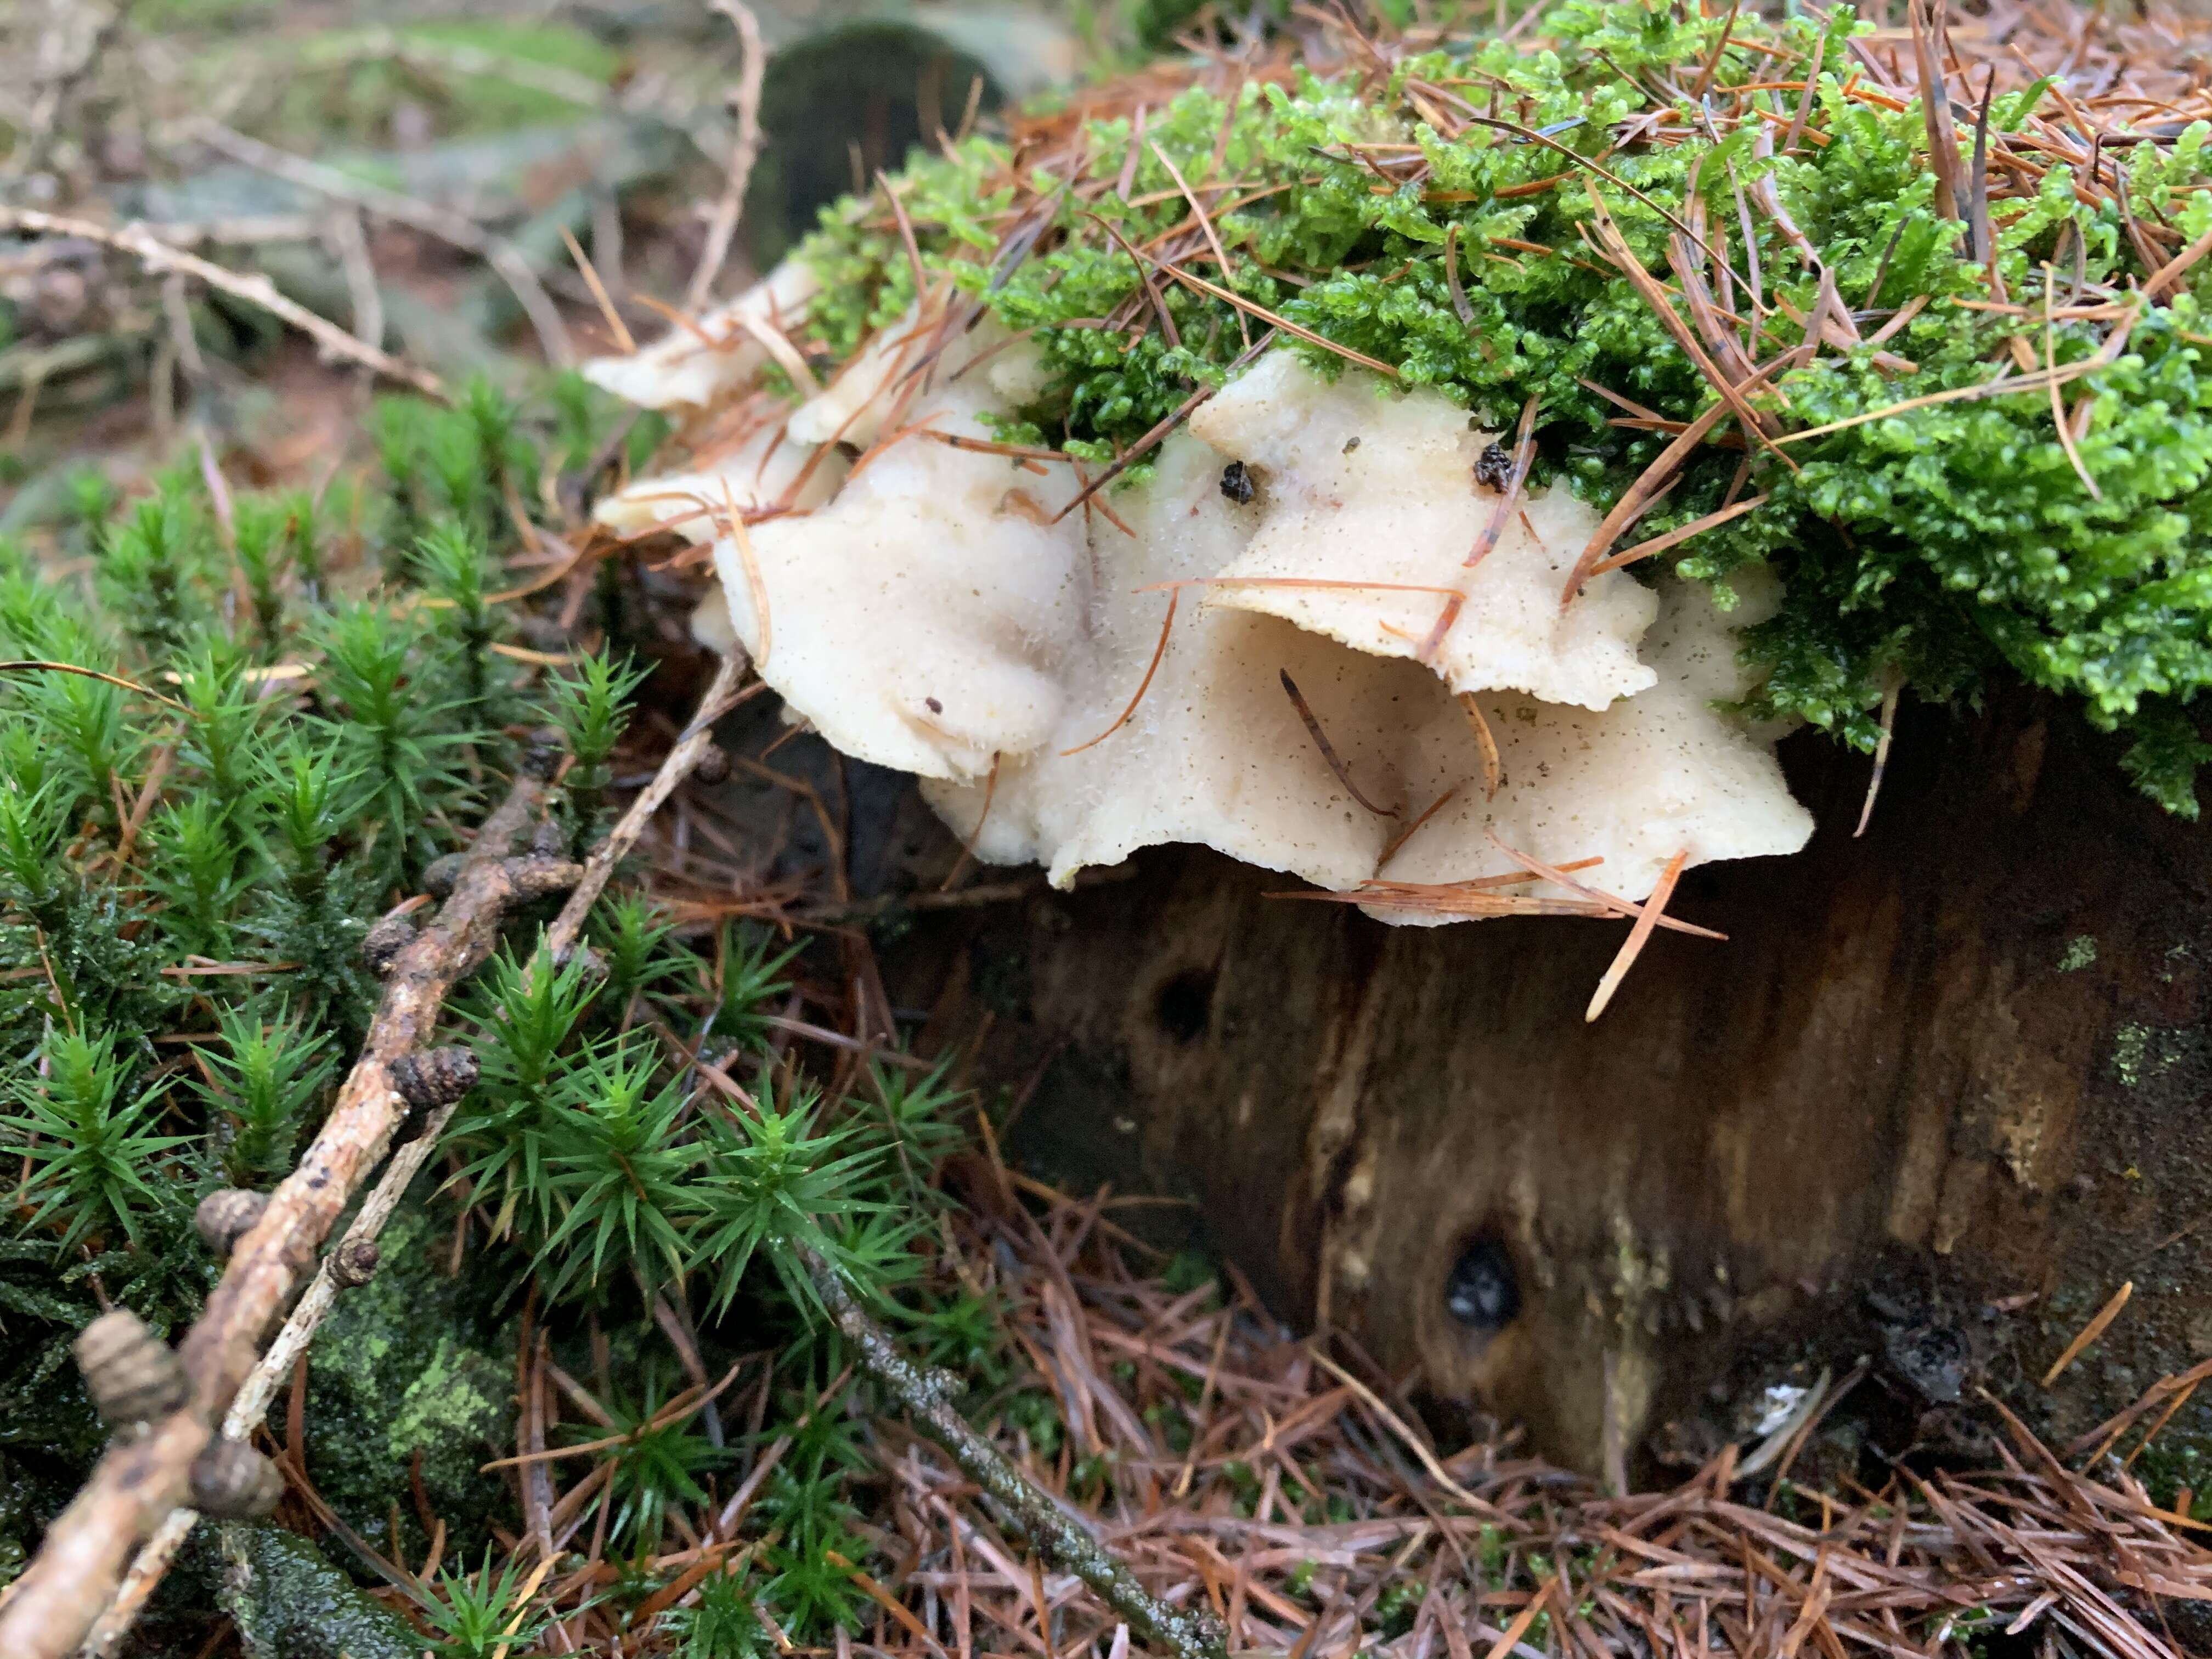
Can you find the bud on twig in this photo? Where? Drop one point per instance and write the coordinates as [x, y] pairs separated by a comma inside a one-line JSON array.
[[434, 1077], [353, 1264], [387, 938], [232, 1481], [226, 1216], [440, 874], [537, 875], [132, 1376]]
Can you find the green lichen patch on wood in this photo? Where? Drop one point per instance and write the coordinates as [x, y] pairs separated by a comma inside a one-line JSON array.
[[288, 1603], [416, 1364]]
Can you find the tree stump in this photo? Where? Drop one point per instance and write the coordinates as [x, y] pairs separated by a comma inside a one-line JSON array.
[[1938, 1095]]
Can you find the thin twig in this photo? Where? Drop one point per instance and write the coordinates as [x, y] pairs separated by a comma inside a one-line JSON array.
[[745, 151], [1060, 1537], [149, 250], [497, 252], [136, 1484], [722, 695]]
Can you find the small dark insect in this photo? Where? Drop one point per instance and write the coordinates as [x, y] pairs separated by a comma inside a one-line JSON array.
[[1237, 483], [1350, 444], [1494, 465], [935, 707], [1482, 1290]]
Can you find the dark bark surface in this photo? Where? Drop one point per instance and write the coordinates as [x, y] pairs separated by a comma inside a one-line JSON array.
[[1958, 1062]]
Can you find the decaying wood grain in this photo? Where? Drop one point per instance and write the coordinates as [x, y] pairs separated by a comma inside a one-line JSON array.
[[1955, 1061]]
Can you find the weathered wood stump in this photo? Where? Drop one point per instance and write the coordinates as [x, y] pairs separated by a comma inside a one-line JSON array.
[[1960, 1060]]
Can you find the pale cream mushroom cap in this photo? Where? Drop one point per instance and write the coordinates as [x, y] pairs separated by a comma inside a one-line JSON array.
[[1214, 752], [1662, 772], [1357, 483], [710, 623], [761, 469], [932, 616], [694, 366], [926, 618]]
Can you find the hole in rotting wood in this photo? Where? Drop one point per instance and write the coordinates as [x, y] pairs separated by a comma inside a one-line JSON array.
[[1483, 1291], [1185, 1004]]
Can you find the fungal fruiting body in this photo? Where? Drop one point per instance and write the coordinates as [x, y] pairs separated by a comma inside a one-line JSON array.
[[1402, 510], [701, 362], [1322, 632]]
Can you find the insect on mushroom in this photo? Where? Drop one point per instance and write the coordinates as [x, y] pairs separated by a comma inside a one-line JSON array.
[[1494, 466], [1237, 483]]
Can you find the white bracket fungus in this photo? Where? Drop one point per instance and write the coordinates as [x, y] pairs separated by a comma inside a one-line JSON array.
[[1356, 485], [1247, 656]]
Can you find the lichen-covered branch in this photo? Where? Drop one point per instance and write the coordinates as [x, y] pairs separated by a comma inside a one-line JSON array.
[[1057, 1535], [251, 1406], [138, 1482], [253, 1398]]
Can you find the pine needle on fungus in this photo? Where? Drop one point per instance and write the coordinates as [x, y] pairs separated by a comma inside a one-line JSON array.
[[1329, 750]]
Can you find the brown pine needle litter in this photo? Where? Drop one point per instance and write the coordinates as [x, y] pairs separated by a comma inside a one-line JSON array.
[[1313, 1502], [1662, 892]]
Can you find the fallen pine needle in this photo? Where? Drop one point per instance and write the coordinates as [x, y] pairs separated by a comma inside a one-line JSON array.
[[2058, 420], [1558, 873], [2089, 1333], [1144, 685], [1407, 834], [39, 664], [1292, 581], [1493, 767], [1509, 501], [755, 584], [590, 273], [968, 847], [1412, 1442], [1327, 750], [1880, 759], [1514, 1631], [1681, 533], [1662, 891]]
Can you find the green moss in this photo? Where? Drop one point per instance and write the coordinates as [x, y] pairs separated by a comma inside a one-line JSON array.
[[2180, 1460], [290, 1603], [2081, 952], [412, 1364], [1936, 547], [2130, 1047]]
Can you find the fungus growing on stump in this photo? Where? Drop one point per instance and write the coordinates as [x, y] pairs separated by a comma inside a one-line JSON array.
[[1265, 641]]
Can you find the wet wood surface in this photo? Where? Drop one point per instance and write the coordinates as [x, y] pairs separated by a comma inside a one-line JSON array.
[[1950, 1076]]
